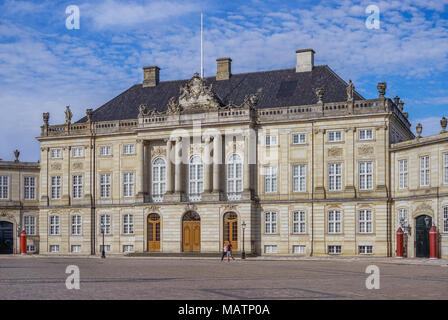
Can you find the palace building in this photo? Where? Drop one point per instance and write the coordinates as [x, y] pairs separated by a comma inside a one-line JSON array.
[[282, 162]]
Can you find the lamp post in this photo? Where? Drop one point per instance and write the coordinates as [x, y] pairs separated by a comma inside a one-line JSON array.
[[103, 251], [243, 253]]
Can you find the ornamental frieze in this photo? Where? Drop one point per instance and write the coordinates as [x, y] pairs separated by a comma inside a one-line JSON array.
[[335, 152], [365, 150], [78, 165], [56, 166], [158, 151]]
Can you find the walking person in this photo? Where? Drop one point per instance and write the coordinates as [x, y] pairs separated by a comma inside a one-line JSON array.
[[229, 252], [224, 251]]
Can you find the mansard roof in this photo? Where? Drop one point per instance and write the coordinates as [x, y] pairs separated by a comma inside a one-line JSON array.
[[277, 88]]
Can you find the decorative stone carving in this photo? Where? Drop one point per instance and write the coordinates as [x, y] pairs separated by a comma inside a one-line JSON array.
[[419, 129], [8, 216], [153, 209], [424, 207], [320, 94], [142, 110], [190, 207], [443, 124], [400, 106], [46, 118], [16, 155], [251, 101], [89, 113], [381, 88], [397, 100], [350, 90], [196, 148], [78, 165], [365, 150], [229, 207], [158, 151], [335, 152], [68, 115], [56, 166], [173, 106], [196, 96]]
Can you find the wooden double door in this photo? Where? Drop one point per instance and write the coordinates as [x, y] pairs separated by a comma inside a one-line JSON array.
[[191, 232], [153, 232], [231, 229]]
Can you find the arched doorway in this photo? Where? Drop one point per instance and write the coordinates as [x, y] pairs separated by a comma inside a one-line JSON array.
[[231, 229], [6, 237], [191, 232], [153, 232], [422, 225]]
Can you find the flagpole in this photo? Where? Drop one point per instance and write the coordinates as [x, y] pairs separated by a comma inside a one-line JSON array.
[[202, 44]]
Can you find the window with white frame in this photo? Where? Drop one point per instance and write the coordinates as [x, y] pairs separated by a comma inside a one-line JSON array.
[[29, 185], [403, 173], [76, 225], [334, 176], [299, 138], [105, 225], [365, 221], [299, 249], [55, 153], [366, 175], [270, 248], [105, 150], [365, 134], [128, 149], [270, 141], [128, 184], [299, 178], [334, 136], [365, 249], [402, 217], [54, 248], [334, 249], [4, 187], [77, 187], [105, 185], [30, 248], [77, 152], [196, 176], [445, 219], [128, 248], [128, 224], [299, 222], [235, 174], [445, 168], [56, 187], [29, 224], [270, 222], [76, 248], [334, 221], [270, 179], [158, 178], [54, 225], [424, 171]]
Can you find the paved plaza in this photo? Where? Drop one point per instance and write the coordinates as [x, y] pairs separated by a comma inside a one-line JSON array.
[[163, 278]]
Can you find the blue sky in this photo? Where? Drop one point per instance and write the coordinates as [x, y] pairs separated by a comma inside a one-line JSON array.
[[44, 66]]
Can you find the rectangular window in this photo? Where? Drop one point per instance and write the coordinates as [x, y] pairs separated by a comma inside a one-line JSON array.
[[105, 150], [365, 221], [445, 168], [77, 152], [128, 224], [334, 136], [128, 149], [128, 248], [270, 222], [29, 223], [299, 222], [29, 184], [424, 171], [366, 175], [445, 219], [106, 248], [4, 187], [334, 221], [365, 249], [270, 248], [76, 225], [105, 223], [76, 248], [271, 141], [299, 138], [270, 179], [54, 225], [365, 134], [299, 178], [31, 248], [128, 184], [54, 248], [334, 249], [56, 153], [105, 185], [77, 187], [403, 173], [300, 249], [56, 187], [335, 176]]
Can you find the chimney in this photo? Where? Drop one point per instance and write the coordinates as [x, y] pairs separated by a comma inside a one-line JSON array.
[[305, 60], [150, 76], [224, 68]]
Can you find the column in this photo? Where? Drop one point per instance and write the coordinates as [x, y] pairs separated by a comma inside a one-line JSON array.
[[169, 178], [350, 163], [246, 169], [178, 164], [140, 176], [207, 166], [216, 163]]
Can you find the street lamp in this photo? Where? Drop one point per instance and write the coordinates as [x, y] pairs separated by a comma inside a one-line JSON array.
[[103, 251], [243, 253]]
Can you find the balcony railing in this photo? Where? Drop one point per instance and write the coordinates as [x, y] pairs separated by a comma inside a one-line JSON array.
[[157, 197], [194, 197], [234, 196]]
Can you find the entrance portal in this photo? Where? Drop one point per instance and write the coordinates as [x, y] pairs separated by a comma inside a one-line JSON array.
[[422, 225], [231, 229], [6, 237], [191, 232], [153, 232]]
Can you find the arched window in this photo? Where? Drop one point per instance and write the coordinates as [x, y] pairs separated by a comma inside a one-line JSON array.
[[234, 177], [196, 178], [158, 179]]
